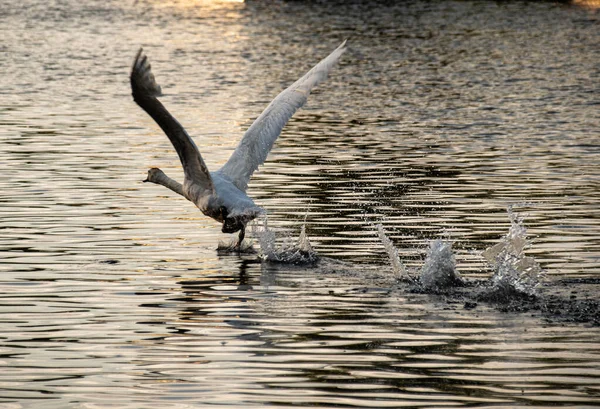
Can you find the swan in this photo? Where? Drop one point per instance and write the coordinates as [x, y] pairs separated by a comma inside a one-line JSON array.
[[221, 194]]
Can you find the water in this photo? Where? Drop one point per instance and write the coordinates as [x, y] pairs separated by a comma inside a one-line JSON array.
[[398, 266], [441, 115], [292, 251], [513, 270]]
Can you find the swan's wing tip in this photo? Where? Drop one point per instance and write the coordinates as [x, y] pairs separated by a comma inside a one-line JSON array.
[[341, 48], [142, 79]]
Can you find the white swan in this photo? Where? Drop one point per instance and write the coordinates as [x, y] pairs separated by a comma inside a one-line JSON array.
[[222, 194]]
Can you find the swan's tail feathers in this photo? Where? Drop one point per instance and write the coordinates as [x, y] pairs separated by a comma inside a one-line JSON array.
[[143, 83]]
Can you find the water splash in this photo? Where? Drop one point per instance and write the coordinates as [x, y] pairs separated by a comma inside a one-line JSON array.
[[392, 252], [232, 247], [439, 269], [514, 273], [266, 238], [292, 251]]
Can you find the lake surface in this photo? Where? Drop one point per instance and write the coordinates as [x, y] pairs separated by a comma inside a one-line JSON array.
[[440, 117]]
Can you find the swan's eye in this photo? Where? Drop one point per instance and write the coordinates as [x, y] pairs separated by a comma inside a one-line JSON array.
[[223, 211]]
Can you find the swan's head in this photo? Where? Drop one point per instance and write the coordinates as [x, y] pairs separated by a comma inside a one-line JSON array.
[[154, 175]]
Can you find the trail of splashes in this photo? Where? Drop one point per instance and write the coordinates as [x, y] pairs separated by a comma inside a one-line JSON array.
[[514, 273], [291, 251]]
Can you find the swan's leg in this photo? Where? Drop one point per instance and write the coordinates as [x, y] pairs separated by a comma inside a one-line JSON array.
[[241, 237]]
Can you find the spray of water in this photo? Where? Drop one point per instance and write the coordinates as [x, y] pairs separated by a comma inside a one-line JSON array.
[[439, 269], [392, 252], [514, 286], [514, 273], [232, 247], [291, 251]]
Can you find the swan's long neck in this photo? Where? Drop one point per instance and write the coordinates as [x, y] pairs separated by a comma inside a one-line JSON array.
[[158, 176]]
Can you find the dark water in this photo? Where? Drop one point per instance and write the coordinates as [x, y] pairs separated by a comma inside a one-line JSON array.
[[439, 117]]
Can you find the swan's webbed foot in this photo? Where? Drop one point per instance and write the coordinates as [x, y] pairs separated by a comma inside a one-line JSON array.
[[234, 225]]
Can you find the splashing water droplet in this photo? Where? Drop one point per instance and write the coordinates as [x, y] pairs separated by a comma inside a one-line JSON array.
[[292, 251], [392, 252], [303, 243], [439, 269], [514, 273], [266, 238]]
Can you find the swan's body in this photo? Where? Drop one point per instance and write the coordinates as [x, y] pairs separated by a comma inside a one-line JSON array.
[[222, 194]]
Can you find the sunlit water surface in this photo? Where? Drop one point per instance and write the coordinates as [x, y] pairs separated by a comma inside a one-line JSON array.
[[440, 117]]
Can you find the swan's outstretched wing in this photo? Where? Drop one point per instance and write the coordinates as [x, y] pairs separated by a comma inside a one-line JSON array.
[[145, 90], [254, 147]]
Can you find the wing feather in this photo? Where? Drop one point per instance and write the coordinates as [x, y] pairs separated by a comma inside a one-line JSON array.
[[253, 149], [145, 90]]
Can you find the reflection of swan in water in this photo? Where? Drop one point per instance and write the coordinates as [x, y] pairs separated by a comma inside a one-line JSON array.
[[221, 194]]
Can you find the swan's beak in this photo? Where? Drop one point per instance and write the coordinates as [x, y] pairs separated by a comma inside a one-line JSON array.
[[146, 180]]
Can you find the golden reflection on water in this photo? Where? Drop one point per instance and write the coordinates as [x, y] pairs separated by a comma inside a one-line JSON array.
[[590, 4], [205, 4]]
